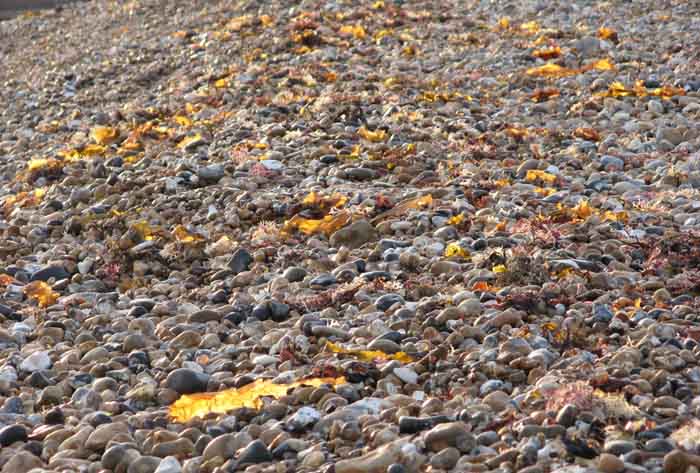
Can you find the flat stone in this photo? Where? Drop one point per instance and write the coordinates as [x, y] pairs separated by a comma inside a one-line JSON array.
[[452, 434], [37, 361], [186, 381], [255, 452], [240, 261], [49, 272], [13, 433], [354, 235]]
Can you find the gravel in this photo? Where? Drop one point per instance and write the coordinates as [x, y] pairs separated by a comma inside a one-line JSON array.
[[461, 237]]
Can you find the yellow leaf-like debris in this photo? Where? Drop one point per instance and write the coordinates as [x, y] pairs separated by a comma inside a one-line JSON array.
[[266, 20], [410, 204], [454, 249], [607, 33], [587, 134], [620, 216], [456, 220], [548, 53], [190, 406], [615, 405], [324, 203], [181, 234], [183, 121], [327, 225], [373, 136], [517, 132], [582, 210], [599, 65], [531, 27], [551, 70], [104, 135], [357, 31], [500, 268], [42, 163], [41, 292], [535, 174], [6, 279], [189, 141], [545, 191], [23, 199], [540, 95], [143, 230], [618, 89], [370, 355], [666, 92], [92, 150]]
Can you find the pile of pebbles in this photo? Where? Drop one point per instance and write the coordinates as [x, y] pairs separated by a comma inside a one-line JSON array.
[[199, 195]]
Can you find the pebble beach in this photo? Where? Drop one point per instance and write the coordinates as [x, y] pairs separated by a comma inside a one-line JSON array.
[[396, 236]]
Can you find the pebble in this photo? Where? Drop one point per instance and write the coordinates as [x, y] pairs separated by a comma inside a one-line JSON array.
[[22, 461], [610, 464], [37, 361], [186, 381], [12, 433], [294, 274], [50, 272], [452, 434], [445, 459], [497, 400], [618, 447], [169, 465], [354, 235], [255, 452], [240, 261], [406, 375]]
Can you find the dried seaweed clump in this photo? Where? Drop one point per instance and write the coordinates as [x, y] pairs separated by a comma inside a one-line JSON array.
[[578, 393], [328, 298], [688, 435]]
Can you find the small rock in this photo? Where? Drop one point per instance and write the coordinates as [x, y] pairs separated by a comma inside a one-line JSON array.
[[444, 267], [169, 465], [302, 419], [225, 446], [376, 461], [211, 173], [588, 46], [240, 261], [186, 381], [21, 461], [272, 165], [294, 274], [49, 272], [567, 415], [145, 464], [255, 452], [452, 434], [388, 300], [618, 447], [12, 433], [407, 375], [445, 459], [99, 438], [608, 463], [354, 235], [497, 400], [471, 307], [39, 360]]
